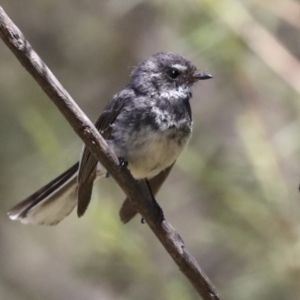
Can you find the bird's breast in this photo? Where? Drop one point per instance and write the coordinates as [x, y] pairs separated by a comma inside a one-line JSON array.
[[155, 151], [154, 141]]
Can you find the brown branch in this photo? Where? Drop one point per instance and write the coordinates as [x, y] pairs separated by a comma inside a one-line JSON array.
[[85, 129]]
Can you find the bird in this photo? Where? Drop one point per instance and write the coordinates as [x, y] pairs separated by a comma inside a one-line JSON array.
[[147, 125]]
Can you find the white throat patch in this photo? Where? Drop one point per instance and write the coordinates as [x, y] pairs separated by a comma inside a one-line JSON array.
[[180, 92]]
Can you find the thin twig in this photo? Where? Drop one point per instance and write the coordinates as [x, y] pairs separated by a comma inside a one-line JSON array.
[[85, 129]]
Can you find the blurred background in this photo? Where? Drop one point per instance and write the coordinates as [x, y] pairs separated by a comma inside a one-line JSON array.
[[233, 195]]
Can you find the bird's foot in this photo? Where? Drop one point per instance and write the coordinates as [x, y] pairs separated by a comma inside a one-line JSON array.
[[122, 162], [159, 214]]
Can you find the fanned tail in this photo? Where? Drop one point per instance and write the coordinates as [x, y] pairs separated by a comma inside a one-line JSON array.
[[51, 203]]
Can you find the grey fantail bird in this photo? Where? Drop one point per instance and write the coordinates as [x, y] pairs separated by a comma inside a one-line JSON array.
[[147, 124]]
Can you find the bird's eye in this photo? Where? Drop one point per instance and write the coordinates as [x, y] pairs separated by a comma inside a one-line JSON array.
[[173, 73]]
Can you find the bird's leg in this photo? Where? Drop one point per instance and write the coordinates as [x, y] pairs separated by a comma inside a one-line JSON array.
[[122, 164], [159, 212]]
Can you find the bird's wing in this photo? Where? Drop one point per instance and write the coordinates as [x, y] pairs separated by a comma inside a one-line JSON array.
[[88, 163], [127, 211]]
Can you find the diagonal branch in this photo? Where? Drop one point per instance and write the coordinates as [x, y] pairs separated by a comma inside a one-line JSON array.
[[85, 129]]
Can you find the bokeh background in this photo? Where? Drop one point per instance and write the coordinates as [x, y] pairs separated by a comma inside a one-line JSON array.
[[233, 195]]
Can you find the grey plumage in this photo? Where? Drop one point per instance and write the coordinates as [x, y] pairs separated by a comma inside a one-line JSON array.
[[148, 124]]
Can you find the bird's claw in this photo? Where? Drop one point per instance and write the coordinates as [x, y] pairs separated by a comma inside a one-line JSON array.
[[122, 162], [159, 215]]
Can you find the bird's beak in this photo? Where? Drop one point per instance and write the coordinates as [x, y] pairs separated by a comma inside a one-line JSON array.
[[202, 76]]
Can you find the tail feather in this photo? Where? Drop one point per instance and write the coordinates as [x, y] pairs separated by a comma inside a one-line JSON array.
[[127, 211], [51, 203]]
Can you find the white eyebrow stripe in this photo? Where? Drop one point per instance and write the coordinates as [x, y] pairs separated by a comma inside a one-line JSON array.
[[156, 75], [179, 67]]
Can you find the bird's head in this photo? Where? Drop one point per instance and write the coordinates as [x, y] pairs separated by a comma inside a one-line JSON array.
[[167, 75]]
